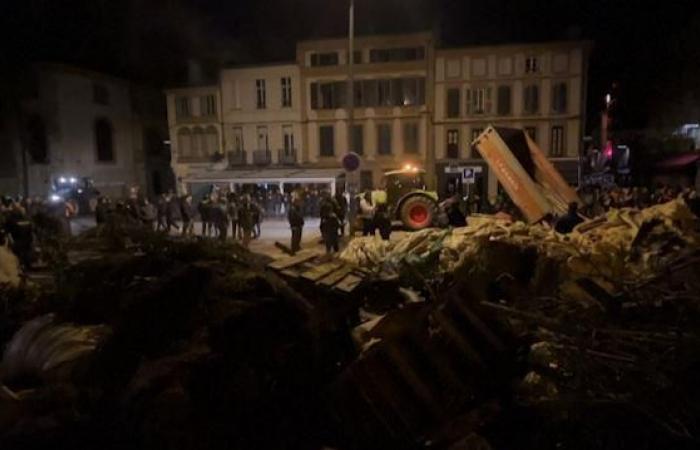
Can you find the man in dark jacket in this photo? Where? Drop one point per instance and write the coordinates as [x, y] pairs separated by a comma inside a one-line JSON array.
[[246, 219], [203, 208], [219, 218], [188, 214], [341, 210], [330, 228], [162, 207], [296, 223], [382, 221], [568, 221], [173, 213]]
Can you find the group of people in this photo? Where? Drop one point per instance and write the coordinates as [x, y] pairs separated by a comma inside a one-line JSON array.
[[333, 211], [374, 216], [598, 200], [218, 212]]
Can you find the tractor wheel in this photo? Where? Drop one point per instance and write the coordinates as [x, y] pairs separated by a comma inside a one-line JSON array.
[[417, 212]]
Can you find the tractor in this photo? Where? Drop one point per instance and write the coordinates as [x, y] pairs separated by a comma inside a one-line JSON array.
[[407, 198]]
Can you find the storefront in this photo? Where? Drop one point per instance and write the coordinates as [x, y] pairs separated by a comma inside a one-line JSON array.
[[282, 180]]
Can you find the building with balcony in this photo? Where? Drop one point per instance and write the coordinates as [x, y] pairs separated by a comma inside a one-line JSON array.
[[392, 95], [414, 102], [537, 87], [65, 121]]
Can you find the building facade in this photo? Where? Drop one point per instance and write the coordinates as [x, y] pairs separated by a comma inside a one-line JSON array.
[[537, 87], [414, 103], [77, 123]]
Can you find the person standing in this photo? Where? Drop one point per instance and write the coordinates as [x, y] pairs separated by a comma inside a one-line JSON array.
[[218, 217], [330, 227], [187, 211], [296, 223], [367, 214], [148, 213], [341, 210], [382, 221], [232, 210], [162, 208], [246, 219], [204, 212], [258, 213], [172, 213]]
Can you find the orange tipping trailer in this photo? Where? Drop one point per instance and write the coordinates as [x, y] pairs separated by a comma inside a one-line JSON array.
[[529, 178]]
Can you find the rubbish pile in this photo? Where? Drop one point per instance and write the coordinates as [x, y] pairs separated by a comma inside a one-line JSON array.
[[498, 335]]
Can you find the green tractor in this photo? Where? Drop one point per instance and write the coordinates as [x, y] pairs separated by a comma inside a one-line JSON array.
[[407, 198]]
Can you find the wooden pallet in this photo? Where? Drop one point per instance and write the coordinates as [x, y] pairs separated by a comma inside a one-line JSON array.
[[312, 267]]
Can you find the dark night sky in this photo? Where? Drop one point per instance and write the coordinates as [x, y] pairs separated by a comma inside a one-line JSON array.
[[649, 47]]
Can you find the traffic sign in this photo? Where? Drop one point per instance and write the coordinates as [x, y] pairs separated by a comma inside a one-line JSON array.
[[351, 162], [468, 175]]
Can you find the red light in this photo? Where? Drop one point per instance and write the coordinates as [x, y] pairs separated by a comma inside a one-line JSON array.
[[608, 150]]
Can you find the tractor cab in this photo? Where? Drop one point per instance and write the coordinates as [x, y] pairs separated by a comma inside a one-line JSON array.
[[409, 200]]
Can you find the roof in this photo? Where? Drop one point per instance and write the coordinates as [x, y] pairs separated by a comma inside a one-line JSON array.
[[679, 161], [294, 175]]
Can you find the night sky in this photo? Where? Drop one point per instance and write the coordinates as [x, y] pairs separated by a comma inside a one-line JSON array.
[[650, 48]]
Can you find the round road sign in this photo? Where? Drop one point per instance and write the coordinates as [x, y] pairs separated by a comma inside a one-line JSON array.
[[351, 162]]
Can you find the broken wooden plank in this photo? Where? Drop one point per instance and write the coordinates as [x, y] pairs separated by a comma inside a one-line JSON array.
[[349, 283], [320, 271], [336, 276], [285, 263]]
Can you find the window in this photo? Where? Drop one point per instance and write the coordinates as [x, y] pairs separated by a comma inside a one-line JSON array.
[[184, 142], [288, 137], [453, 102], [324, 59], [207, 105], [410, 92], [210, 146], [532, 132], [369, 92], [504, 100], [476, 132], [358, 139], [37, 142], [286, 92], [532, 64], [238, 140], [261, 98], [384, 139], [104, 141], [328, 95], [327, 140], [182, 108], [453, 144], [557, 141], [559, 92], [198, 143], [531, 99], [479, 100], [100, 94], [263, 142], [410, 137], [396, 54], [384, 93]]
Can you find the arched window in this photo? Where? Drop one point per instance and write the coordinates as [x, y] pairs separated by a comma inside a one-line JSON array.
[[37, 143], [198, 143], [212, 137], [184, 142], [104, 140]]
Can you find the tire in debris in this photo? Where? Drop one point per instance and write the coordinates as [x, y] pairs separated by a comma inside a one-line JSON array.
[[417, 212]]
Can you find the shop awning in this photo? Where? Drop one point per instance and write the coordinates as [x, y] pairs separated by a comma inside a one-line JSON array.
[[679, 161], [267, 176]]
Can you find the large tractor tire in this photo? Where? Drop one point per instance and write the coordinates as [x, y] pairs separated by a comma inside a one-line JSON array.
[[417, 212]]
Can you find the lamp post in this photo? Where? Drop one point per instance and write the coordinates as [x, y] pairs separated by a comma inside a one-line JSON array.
[[351, 175]]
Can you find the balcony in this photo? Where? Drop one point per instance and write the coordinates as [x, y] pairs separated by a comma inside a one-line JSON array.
[[237, 158], [288, 157], [262, 157]]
